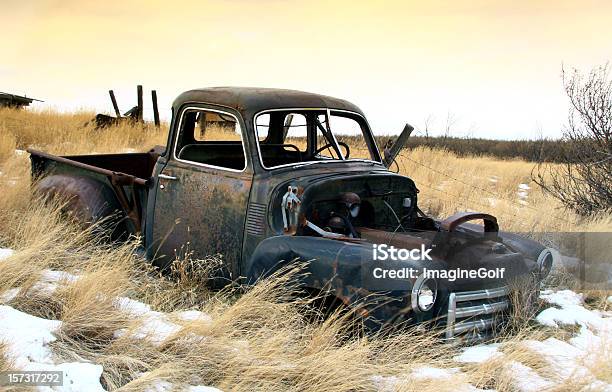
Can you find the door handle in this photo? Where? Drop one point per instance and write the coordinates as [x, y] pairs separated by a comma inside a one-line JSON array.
[[166, 177]]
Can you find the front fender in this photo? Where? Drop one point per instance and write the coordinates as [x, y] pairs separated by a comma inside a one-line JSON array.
[[531, 250], [342, 269], [327, 259]]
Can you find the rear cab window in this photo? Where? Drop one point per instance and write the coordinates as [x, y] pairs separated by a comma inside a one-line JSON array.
[[212, 138]]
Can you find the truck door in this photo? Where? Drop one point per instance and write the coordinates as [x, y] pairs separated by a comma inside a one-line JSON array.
[[202, 192]]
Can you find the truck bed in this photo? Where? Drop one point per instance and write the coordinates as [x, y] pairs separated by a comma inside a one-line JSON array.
[[126, 176], [139, 166]]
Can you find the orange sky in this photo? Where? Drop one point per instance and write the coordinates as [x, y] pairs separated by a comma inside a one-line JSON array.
[[494, 65]]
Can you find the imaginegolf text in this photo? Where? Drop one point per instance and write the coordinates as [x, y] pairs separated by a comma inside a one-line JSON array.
[[449, 274]]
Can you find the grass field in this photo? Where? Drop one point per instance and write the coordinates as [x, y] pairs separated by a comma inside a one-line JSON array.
[[143, 331]]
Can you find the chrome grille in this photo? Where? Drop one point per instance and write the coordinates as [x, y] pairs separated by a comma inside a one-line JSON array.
[[473, 320]]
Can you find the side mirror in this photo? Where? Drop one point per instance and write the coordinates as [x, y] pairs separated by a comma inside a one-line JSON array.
[[392, 151]]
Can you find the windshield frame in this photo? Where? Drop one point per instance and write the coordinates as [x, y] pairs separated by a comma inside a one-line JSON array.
[[366, 133]]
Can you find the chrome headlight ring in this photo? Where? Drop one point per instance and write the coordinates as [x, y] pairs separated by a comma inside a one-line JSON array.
[[544, 263], [424, 294]]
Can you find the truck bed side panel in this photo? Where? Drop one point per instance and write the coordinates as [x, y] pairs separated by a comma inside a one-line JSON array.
[[130, 191]]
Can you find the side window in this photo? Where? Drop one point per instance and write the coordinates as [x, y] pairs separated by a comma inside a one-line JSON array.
[[295, 130], [212, 138], [282, 137], [262, 126], [349, 131]]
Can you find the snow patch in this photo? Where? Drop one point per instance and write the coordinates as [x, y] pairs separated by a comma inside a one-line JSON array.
[[571, 312], [569, 315], [385, 383], [574, 358], [201, 388], [6, 253], [194, 315], [591, 343], [428, 372], [8, 295], [160, 386], [527, 380], [132, 307], [154, 327], [58, 276], [49, 281], [562, 297], [479, 354], [26, 336], [78, 376], [562, 356], [394, 383]]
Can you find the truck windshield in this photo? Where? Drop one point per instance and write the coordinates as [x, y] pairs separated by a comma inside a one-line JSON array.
[[289, 137]]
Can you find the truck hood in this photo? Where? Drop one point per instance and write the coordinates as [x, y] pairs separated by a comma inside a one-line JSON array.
[[315, 189]]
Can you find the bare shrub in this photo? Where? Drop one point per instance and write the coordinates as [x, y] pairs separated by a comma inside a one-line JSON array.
[[583, 182]]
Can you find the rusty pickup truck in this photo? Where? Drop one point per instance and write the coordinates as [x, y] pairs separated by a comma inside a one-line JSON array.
[[266, 177]]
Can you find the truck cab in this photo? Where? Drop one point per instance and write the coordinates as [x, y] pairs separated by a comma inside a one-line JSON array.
[[219, 179]]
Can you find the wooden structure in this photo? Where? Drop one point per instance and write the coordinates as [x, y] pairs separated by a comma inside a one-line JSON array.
[[135, 114], [15, 101]]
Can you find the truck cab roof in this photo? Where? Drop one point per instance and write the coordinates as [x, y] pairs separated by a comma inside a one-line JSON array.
[[248, 101]]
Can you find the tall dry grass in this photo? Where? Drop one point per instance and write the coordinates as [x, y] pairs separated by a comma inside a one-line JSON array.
[[72, 133], [449, 183], [258, 338]]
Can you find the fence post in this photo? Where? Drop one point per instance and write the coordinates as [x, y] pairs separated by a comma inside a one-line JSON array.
[[114, 101], [155, 109], [140, 107]]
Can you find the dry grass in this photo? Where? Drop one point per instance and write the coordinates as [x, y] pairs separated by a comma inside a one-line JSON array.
[[258, 339], [449, 184], [8, 143], [72, 133]]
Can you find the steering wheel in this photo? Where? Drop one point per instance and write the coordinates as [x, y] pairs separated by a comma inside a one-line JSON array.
[[328, 145]]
